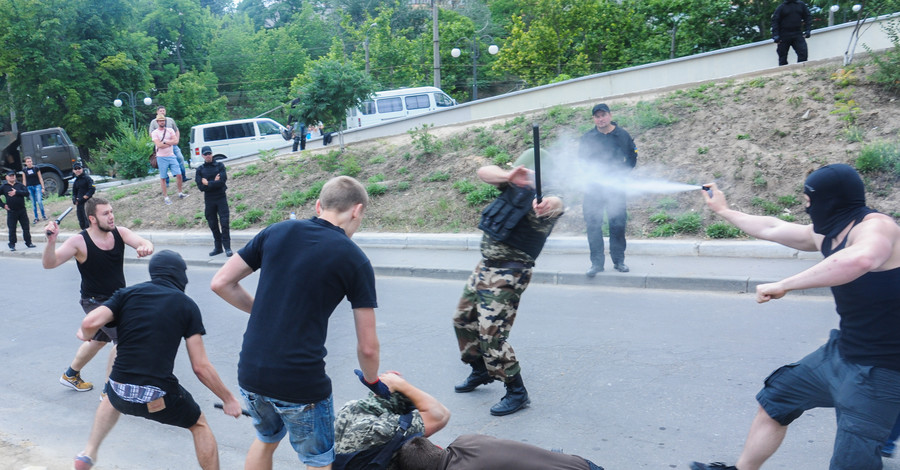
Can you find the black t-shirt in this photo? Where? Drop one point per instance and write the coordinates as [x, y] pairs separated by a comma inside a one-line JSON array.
[[307, 268], [31, 176], [480, 452], [151, 318], [101, 272]]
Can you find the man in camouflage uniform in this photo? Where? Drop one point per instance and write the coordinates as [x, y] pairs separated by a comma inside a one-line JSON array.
[[373, 421], [487, 308]]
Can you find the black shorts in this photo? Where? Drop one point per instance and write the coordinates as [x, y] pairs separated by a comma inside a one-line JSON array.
[[181, 409], [104, 334]]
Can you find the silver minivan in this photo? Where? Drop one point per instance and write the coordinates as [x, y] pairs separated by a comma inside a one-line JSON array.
[[238, 138]]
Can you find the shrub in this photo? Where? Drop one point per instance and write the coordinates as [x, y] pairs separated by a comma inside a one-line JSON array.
[[328, 162], [483, 194], [464, 186], [350, 167], [403, 186], [879, 156], [502, 159], [300, 197], [492, 151], [377, 178], [888, 71], [688, 223], [426, 143], [722, 230], [661, 218], [768, 207], [437, 176], [129, 153], [664, 230], [376, 189]]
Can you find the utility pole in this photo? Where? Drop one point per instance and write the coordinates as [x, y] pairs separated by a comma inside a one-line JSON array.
[[437, 43]]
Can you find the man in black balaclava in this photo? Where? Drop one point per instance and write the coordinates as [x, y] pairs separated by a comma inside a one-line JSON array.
[[857, 371], [791, 24], [152, 318]]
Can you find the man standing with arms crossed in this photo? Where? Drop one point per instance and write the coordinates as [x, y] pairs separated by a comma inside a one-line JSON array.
[[211, 178], [14, 194], [100, 253], [307, 267], [857, 372]]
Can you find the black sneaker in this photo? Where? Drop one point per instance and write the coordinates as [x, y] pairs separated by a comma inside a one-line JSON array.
[[711, 466], [593, 271], [30, 245], [621, 267], [12, 247]]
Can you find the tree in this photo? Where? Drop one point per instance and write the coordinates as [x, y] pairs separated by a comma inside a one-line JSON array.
[[328, 90], [192, 99], [183, 32]]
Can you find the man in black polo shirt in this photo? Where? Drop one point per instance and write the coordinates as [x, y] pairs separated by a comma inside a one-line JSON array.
[[211, 178], [152, 317], [307, 267], [14, 194]]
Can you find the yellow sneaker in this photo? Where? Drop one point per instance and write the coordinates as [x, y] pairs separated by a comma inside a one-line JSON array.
[[75, 383]]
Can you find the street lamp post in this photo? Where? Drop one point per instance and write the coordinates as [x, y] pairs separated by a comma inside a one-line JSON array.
[[492, 50], [831, 11], [131, 96]]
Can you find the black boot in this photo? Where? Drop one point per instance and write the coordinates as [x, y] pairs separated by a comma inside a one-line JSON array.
[[227, 244], [515, 399], [479, 376], [216, 250]]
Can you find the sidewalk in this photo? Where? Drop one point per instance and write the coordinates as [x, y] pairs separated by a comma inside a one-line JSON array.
[[723, 266]]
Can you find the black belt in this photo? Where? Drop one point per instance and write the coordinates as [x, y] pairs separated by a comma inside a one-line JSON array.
[[507, 264]]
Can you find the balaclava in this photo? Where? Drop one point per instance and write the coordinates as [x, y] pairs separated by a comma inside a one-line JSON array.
[[168, 267], [837, 197]]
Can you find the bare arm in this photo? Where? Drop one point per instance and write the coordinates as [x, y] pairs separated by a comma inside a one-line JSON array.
[[519, 176], [140, 244], [227, 283], [869, 246], [434, 414], [796, 236], [93, 321], [52, 256], [207, 374], [367, 347]]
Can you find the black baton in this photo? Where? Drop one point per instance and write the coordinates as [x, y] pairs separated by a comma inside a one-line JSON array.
[[221, 406], [60, 218], [537, 161]]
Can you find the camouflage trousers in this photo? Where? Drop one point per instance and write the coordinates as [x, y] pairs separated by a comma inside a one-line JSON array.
[[485, 314]]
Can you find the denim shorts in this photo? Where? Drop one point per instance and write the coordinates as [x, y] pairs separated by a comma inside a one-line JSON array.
[[866, 400], [310, 426], [167, 163], [181, 409], [104, 334]]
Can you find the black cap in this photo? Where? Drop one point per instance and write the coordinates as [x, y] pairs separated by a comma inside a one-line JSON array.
[[600, 107], [8, 173], [206, 149], [76, 166]]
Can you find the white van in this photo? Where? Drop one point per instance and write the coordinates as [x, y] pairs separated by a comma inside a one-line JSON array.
[[395, 104], [232, 139]]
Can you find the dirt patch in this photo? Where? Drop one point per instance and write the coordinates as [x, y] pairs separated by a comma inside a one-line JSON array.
[[756, 137]]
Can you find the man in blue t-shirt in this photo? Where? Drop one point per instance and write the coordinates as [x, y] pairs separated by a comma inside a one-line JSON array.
[[307, 267]]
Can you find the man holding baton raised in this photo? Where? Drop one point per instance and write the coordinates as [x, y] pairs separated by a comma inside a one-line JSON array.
[[100, 253], [487, 308]]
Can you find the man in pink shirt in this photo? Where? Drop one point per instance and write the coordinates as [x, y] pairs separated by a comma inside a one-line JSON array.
[[165, 139]]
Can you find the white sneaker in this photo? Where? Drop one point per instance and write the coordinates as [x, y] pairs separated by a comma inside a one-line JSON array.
[[168, 201], [182, 195]]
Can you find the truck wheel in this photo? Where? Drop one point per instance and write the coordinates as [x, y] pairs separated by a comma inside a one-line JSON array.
[[54, 184]]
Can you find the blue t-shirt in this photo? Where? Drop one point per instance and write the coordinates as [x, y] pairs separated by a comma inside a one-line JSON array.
[[307, 268]]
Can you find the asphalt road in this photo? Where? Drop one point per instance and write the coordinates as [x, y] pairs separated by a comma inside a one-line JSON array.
[[629, 378]]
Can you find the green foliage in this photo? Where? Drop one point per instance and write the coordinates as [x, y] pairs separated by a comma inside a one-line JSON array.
[[667, 203], [879, 156], [482, 194], [349, 166], [328, 162], [464, 186], [788, 201], [689, 222], [377, 178], [136, 222], [887, 73], [437, 176], [376, 160], [403, 186], [768, 207], [702, 150], [240, 223], [254, 215], [250, 170], [130, 154], [723, 230], [403, 170], [179, 221], [844, 77], [299, 197], [268, 155], [854, 134], [759, 180], [743, 137], [664, 230], [376, 189], [661, 218], [240, 207], [502, 159], [329, 88], [426, 143], [846, 107], [649, 115], [492, 151], [561, 115]]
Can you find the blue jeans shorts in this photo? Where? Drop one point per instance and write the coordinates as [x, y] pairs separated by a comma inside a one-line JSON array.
[[310, 425], [866, 401], [167, 163]]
